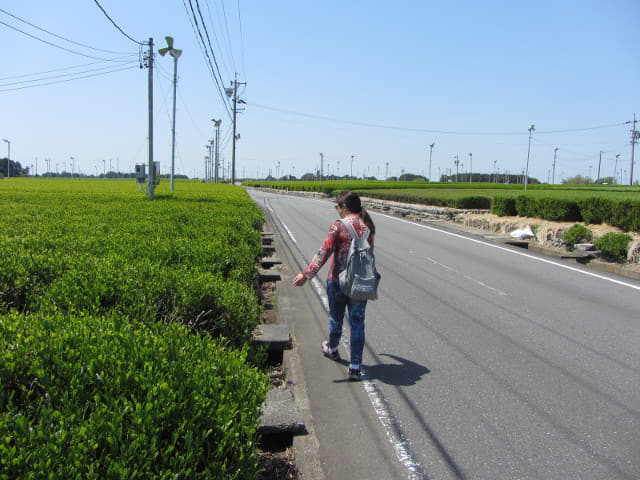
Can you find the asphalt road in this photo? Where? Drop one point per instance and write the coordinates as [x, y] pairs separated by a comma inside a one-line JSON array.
[[482, 361]]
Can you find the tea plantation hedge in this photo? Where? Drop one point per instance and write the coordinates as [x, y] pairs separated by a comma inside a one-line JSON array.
[[123, 330], [101, 397], [622, 213], [617, 205]]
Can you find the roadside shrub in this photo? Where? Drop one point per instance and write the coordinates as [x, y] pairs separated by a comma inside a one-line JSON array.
[[626, 215], [576, 234], [613, 246], [526, 206], [503, 206], [478, 202], [596, 209], [99, 397], [557, 209]]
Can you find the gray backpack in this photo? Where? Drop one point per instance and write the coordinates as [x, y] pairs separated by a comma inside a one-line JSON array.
[[359, 281]]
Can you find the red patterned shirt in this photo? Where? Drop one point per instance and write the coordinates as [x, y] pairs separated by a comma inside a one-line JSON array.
[[336, 242]]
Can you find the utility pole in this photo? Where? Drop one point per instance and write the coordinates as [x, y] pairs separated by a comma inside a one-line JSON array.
[[555, 154], [386, 175], [233, 92], [352, 167], [457, 162], [430, 154], [207, 166], [470, 168], [634, 138], [615, 167], [321, 166], [599, 163], [532, 128], [152, 171], [216, 124]]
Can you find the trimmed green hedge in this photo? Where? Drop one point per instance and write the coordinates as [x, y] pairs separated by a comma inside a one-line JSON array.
[[123, 331], [100, 397], [621, 213], [189, 258]]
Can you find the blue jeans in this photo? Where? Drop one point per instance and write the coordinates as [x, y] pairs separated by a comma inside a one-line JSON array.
[[338, 302]]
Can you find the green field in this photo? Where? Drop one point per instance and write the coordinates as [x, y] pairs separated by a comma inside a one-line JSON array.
[[124, 325]]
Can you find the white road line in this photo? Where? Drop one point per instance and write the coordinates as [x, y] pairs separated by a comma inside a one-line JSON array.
[[471, 279], [515, 252]]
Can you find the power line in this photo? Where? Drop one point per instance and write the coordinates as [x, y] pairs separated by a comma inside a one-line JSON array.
[[122, 59], [209, 42], [52, 44], [116, 25], [422, 130], [244, 73], [59, 36], [218, 43], [70, 79], [95, 70], [226, 26], [203, 46]]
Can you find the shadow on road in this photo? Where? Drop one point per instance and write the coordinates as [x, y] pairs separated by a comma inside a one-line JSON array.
[[404, 373]]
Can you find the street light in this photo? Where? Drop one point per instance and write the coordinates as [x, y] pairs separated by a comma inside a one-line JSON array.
[[532, 128], [175, 53], [8, 156]]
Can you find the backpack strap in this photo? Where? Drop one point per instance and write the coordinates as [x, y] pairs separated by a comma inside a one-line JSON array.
[[352, 232]]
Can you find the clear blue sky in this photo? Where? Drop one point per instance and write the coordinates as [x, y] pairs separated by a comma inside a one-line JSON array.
[[377, 80]]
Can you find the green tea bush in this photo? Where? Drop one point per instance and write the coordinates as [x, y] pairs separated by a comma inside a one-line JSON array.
[[576, 234], [596, 209], [100, 397], [123, 330], [526, 206], [188, 259], [503, 206], [474, 202], [558, 209], [626, 215], [613, 246]]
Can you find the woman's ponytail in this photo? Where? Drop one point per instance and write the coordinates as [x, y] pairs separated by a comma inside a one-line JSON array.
[[351, 200], [368, 221]]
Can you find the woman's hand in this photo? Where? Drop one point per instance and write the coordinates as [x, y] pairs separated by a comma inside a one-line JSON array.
[[299, 280]]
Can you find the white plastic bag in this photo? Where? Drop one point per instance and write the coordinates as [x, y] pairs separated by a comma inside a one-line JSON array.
[[521, 233]]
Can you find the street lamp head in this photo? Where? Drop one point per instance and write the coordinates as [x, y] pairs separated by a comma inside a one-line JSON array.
[[532, 128], [433, 144]]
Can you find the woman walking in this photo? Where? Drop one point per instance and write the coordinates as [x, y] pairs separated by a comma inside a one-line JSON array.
[[336, 245]]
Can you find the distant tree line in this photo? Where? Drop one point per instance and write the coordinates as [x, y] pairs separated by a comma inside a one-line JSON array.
[[580, 180], [15, 169], [411, 177]]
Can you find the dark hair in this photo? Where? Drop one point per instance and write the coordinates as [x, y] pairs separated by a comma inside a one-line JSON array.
[[351, 200]]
